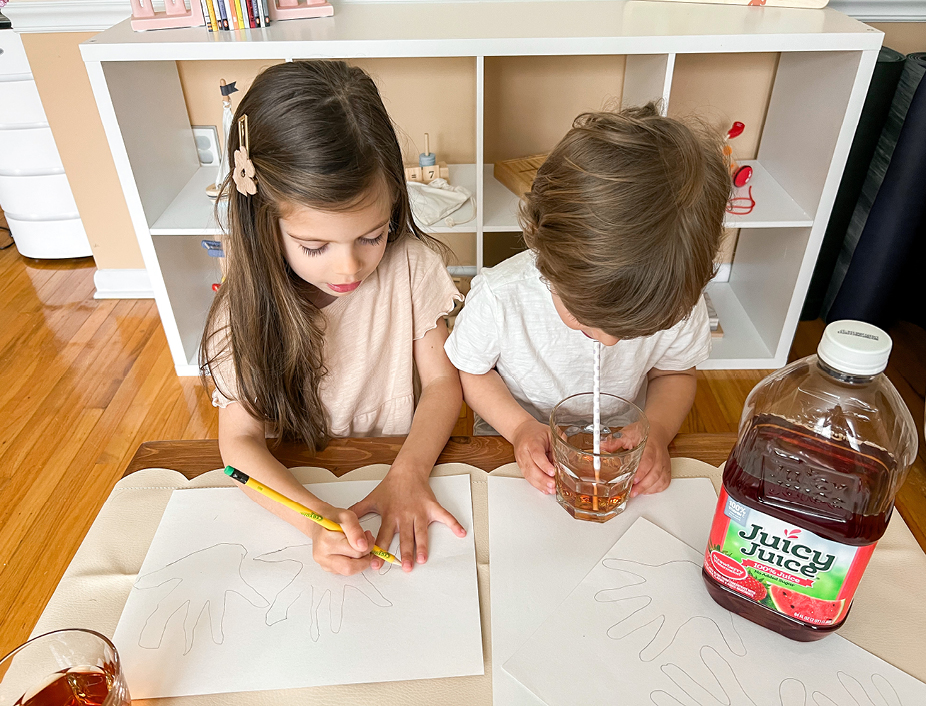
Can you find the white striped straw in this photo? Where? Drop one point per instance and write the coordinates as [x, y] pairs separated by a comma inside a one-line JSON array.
[[597, 420]]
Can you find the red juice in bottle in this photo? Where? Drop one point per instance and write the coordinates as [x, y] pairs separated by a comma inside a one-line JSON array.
[[809, 488]]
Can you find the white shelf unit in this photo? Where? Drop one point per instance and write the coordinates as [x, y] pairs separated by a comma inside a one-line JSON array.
[[825, 65]]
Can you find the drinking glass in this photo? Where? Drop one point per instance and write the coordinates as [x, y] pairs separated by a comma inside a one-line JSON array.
[[63, 668], [586, 489]]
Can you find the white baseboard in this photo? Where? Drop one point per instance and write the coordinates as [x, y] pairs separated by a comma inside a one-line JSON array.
[[122, 284]]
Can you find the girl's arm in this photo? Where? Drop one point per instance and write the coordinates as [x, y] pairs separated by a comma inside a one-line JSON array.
[[242, 445], [404, 499], [669, 397]]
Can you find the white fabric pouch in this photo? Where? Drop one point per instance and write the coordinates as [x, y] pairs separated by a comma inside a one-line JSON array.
[[437, 201]]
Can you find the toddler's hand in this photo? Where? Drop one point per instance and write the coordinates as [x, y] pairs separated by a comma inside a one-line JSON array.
[[655, 470], [346, 552], [532, 451], [407, 505]]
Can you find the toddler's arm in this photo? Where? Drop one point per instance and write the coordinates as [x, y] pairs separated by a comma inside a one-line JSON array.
[[669, 397], [242, 445], [490, 398], [404, 498]]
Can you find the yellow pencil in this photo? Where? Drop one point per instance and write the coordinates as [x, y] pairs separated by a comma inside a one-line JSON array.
[[245, 479]]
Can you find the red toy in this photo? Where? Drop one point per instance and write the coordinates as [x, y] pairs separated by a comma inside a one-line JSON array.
[[740, 175]]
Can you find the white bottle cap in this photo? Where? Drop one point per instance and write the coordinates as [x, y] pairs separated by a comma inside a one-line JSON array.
[[855, 348]]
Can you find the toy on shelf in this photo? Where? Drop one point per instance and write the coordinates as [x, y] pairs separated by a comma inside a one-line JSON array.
[[428, 168], [175, 15], [742, 203], [740, 174], [214, 249], [299, 9], [226, 89], [517, 175]]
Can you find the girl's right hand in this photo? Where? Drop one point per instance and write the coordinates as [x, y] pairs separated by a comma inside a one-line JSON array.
[[346, 552]]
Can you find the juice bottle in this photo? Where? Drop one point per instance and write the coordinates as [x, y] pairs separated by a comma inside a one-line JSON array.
[[824, 445]]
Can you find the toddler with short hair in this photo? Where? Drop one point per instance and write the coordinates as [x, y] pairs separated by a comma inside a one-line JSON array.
[[623, 223]]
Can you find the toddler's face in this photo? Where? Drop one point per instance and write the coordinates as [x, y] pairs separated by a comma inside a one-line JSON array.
[[571, 322], [336, 250]]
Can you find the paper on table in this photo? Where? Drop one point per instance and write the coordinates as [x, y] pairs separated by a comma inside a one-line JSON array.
[[642, 625], [539, 553], [229, 599]]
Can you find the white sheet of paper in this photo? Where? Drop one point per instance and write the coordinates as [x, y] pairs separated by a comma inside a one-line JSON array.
[[641, 626], [538, 554], [230, 599]]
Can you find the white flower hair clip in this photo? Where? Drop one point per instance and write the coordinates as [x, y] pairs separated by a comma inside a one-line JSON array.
[[244, 174]]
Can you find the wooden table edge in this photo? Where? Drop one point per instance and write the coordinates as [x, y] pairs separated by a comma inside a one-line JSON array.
[[195, 457]]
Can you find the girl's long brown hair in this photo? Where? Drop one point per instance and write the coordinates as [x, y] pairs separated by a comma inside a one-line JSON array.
[[319, 137]]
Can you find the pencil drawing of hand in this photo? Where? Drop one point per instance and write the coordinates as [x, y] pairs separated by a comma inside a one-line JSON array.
[[791, 692], [859, 695], [650, 600], [204, 580], [316, 585]]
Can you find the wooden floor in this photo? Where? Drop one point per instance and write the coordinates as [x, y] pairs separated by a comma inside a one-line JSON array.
[[84, 382]]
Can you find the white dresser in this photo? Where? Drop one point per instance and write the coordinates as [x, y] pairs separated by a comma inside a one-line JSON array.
[[34, 191]]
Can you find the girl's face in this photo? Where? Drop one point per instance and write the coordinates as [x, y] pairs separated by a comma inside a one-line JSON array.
[[571, 321], [336, 250]]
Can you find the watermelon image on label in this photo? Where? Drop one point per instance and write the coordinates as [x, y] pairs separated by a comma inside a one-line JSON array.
[[806, 608]]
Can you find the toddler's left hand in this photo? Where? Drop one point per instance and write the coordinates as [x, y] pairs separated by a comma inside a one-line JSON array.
[[654, 472], [407, 505]]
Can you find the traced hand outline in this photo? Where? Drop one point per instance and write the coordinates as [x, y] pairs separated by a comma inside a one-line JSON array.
[[791, 692], [657, 584], [220, 565], [318, 584], [859, 695]]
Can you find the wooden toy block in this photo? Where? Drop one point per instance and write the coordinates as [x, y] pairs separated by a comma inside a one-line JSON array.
[[518, 174], [429, 174], [426, 175]]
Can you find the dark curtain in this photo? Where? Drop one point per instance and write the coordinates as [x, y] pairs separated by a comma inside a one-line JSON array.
[[874, 114], [884, 232]]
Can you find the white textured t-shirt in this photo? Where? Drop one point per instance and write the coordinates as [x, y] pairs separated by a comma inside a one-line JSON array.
[[509, 323]]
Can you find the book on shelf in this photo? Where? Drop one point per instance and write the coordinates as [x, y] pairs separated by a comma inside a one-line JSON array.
[[220, 16], [235, 14]]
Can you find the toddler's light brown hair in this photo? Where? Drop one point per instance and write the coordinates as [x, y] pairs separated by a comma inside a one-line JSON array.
[[626, 216]]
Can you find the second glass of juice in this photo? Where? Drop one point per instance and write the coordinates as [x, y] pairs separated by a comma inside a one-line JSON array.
[[595, 486], [64, 668]]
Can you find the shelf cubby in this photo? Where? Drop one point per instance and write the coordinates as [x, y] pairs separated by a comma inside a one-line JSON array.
[[506, 79]]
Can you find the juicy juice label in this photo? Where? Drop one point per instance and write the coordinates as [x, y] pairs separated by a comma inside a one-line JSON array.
[[782, 566]]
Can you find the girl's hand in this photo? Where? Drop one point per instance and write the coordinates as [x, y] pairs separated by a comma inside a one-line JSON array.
[[532, 451], [346, 552], [407, 505], [655, 470]]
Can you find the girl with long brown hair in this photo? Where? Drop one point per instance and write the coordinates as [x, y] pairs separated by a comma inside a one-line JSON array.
[[332, 306]]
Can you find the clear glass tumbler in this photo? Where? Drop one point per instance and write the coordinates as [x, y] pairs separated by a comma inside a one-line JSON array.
[[63, 668], [590, 491]]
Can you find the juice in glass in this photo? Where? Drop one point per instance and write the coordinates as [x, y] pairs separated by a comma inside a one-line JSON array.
[[64, 668]]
